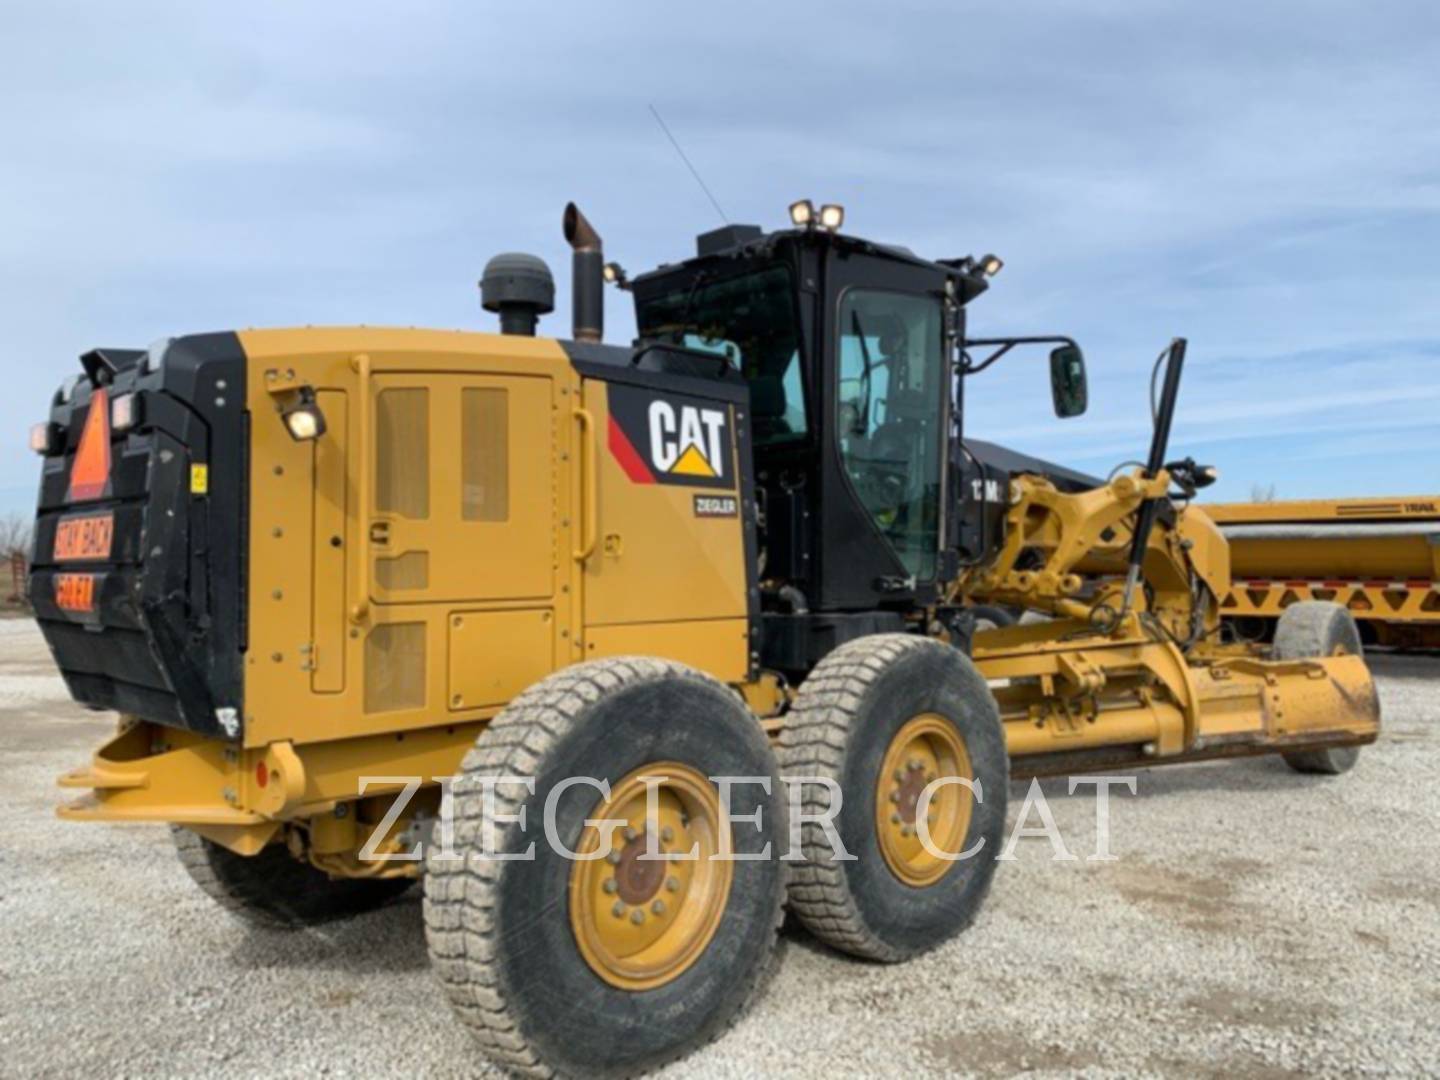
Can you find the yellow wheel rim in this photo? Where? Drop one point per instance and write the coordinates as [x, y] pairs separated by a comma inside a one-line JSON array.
[[641, 922], [926, 749]]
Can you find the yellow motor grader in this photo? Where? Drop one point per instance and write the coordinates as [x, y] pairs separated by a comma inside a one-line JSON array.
[[622, 649]]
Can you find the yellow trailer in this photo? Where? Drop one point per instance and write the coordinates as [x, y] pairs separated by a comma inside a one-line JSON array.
[[1379, 558]]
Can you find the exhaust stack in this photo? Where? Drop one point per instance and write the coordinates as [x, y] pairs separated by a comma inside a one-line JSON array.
[[588, 276]]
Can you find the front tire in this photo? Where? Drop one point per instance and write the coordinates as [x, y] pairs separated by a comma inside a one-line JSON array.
[[1309, 630], [611, 967], [879, 719]]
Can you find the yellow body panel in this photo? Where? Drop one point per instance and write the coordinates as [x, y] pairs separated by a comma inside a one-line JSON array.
[[655, 561], [493, 655], [718, 646], [419, 561]]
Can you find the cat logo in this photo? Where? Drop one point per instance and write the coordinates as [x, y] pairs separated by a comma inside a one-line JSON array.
[[688, 445], [671, 439]]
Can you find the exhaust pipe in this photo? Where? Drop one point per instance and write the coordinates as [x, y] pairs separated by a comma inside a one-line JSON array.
[[587, 272]]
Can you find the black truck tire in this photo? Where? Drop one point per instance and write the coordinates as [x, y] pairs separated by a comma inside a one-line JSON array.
[[1314, 628], [992, 617], [851, 714], [275, 891], [517, 946]]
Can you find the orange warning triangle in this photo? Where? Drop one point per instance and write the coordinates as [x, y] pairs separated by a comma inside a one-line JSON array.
[[693, 463], [91, 470]]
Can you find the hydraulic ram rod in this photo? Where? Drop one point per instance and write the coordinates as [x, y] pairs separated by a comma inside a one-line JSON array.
[[1159, 445]]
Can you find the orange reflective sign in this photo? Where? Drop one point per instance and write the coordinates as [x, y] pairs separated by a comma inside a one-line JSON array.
[[91, 471], [75, 592], [86, 537]]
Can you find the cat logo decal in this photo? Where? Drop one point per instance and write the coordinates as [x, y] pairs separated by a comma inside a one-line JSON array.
[[660, 438]]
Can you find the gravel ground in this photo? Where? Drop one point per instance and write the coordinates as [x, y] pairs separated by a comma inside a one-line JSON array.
[[1255, 923]]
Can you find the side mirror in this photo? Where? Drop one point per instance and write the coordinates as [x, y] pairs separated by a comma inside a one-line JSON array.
[[1067, 381]]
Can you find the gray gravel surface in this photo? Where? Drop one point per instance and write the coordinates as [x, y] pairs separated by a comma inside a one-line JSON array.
[[1255, 923]]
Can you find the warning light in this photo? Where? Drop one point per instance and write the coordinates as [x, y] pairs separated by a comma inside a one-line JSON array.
[[90, 473], [42, 437]]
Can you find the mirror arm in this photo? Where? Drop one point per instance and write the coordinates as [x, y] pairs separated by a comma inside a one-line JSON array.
[[1004, 346]]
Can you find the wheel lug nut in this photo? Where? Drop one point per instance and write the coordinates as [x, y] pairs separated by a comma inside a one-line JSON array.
[[613, 858], [611, 885], [667, 834], [899, 776], [630, 833], [913, 765], [658, 907], [906, 830], [618, 910], [673, 884], [637, 916], [895, 819], [894, 796]]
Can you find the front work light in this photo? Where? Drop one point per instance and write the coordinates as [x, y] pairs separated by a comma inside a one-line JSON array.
[[832, 216], [303, 418], [989, 265], [802, 214]]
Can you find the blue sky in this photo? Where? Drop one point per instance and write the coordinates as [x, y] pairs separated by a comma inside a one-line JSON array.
[[1263, 179]]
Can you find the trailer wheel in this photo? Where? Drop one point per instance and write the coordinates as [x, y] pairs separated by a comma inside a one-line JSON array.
[[614, 965], [880, 720], [1313, 628], [274, 890]]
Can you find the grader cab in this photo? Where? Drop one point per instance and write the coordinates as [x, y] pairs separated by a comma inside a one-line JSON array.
[[623, 649]]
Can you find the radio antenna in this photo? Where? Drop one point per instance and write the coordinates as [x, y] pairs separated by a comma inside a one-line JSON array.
[[693, 172]]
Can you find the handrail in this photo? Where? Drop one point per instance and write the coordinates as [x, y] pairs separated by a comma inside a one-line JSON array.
[[589, 527], [361, 607]]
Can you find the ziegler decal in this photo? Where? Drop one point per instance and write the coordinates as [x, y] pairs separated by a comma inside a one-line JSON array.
[[716, 506], [660, 438]]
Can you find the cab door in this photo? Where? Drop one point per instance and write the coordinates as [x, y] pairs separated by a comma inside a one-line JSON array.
[[463, 495]]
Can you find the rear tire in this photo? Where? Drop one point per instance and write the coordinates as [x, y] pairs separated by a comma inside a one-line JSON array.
[[1308, 630], [275, 891], [852, 713], [530, 953]]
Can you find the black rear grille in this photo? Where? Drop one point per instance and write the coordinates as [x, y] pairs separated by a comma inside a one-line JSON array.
[[163, 637]]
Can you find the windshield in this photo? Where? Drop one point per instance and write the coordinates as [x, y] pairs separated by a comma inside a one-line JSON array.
[[750, 320]]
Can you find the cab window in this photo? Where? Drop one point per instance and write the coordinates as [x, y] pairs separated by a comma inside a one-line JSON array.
[[891, 379], [750, 320]]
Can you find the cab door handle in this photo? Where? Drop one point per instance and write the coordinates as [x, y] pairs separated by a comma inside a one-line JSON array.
[[380, 533]]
